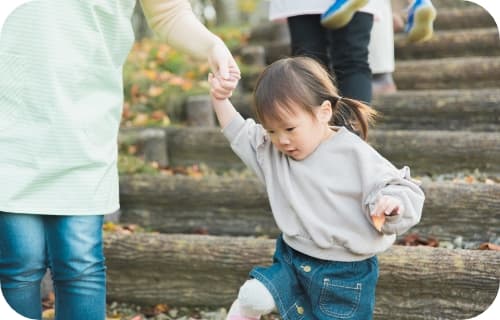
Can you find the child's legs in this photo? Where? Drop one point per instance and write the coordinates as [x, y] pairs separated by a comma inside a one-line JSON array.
[[308, 37], [348, 49], [75, 251], [22, 262]]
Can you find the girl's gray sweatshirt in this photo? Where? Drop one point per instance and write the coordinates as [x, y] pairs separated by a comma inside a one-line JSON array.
[[322, 203]]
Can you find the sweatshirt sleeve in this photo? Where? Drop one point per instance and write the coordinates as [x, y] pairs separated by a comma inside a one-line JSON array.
[[175, 22], [381, 178], [248, 140]]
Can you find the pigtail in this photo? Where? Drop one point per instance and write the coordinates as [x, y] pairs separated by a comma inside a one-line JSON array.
[[352, 114]]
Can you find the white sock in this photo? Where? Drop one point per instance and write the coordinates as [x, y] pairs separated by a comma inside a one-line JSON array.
[[253, 301]]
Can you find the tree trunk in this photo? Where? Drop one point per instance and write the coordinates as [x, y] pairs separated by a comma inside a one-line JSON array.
[[141, 28], [424, 151], [239, 206], [227, 12], [475, 42], [148, 269]]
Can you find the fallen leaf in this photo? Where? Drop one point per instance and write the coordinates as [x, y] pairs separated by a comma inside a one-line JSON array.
[[378, 222], [489, 246], [49, 314]]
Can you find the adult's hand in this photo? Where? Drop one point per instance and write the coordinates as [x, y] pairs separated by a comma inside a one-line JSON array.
[[223, 65]]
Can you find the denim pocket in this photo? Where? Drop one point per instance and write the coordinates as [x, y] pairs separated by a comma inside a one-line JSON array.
[[339, 299]]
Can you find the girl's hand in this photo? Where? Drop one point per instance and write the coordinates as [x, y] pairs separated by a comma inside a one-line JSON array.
[[223, 88], [386, 206]]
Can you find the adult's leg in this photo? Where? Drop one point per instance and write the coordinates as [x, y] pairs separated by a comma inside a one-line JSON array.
[[381, 49], [348, 49], [308, 37], [22, 261], [76, 257]]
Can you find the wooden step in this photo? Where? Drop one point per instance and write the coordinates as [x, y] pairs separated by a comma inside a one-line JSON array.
[[468, 110], [147, 269], [239, 206], [455, 43], [463, 18], [448, 73], [426, 152], [429, 74], [445, 4]]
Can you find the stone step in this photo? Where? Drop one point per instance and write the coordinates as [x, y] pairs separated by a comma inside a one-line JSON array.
[[426, 152], [454, 43], [468, 110], [427, 74], [220, 205], [193, 270]]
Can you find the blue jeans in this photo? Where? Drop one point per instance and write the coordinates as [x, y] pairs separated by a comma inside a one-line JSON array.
[[71, 246], [306, 288]]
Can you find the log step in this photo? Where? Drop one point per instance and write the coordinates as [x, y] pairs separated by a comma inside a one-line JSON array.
[[455, 43], [430, 74], [426, 152], [239, 206], [147, 269], [470, 110], [463, 18], [446, 4], [452, 43], [448, 73]]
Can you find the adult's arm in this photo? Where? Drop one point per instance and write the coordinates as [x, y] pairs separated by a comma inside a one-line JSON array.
[[176, 24]]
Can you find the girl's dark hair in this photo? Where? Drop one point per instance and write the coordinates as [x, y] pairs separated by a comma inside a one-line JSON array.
[[303, 82]]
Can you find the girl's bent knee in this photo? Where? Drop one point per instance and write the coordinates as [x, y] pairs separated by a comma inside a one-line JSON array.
[[255, 299]]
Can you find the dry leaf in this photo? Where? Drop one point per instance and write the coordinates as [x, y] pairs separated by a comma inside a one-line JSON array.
[[489, 246], [141, 119], [49, 314], [160, 308], [470, 179], [378, 222]]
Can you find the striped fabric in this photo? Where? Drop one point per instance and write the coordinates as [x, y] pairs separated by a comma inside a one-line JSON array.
[[60, 105]]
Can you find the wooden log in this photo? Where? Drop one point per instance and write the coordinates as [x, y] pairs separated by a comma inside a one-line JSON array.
[[422, 74], [239, 206], [424, 151], [199, 111], [148, 269], [447, 4], [463, 18], [151, 143], [439, 151], [457, 43], [448, 73], [468, 110]]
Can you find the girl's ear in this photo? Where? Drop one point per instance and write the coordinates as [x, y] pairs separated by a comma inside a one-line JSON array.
[[325, 112]]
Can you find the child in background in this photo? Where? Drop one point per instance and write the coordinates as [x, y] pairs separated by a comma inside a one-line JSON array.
[[419, 24], [325, 185]]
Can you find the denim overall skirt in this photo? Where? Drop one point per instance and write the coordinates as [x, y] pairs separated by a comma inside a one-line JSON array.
[[307, 288]]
